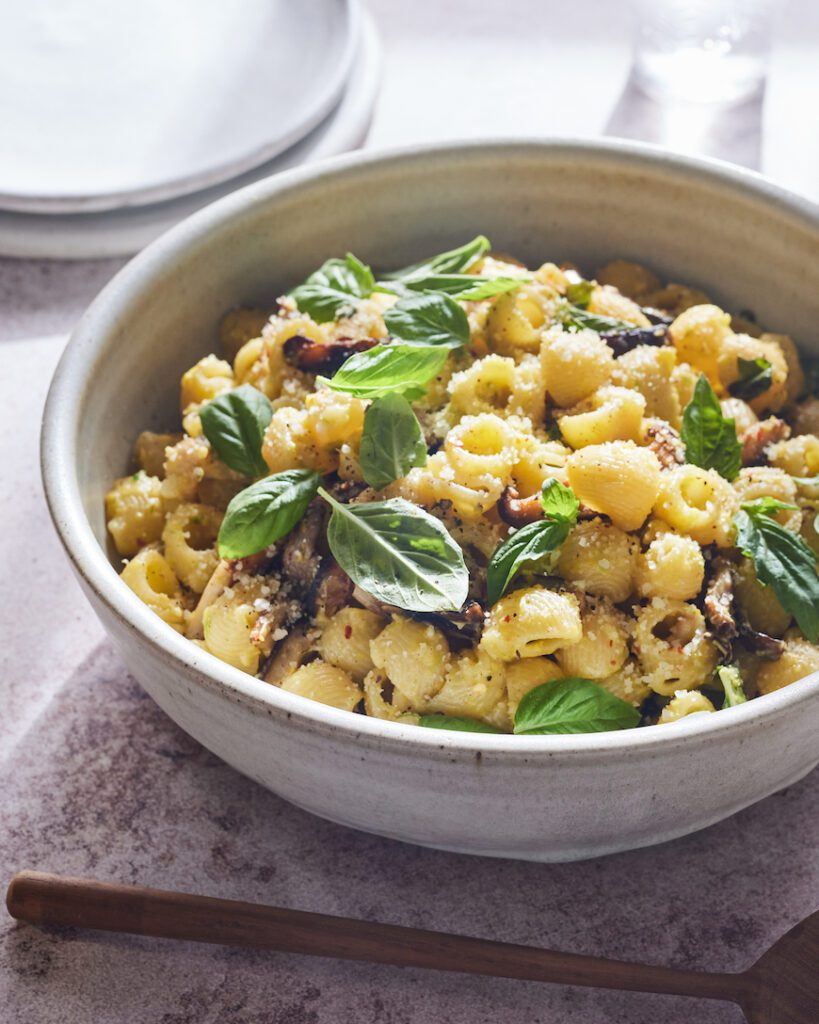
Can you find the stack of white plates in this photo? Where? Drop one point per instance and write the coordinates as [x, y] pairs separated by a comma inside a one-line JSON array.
[[120, 120]]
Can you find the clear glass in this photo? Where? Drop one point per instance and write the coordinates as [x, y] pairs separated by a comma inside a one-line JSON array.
[[702, 50]]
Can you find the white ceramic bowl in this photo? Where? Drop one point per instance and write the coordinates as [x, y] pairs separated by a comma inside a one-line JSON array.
[[541, 798]]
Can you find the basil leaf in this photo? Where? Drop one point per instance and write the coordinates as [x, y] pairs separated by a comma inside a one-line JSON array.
[[392, 441], [333, 288], [755, 377], [535, 545], [572, 705], [782, 560], [488, 287], [573, 316], [456, 724], [464, 287], [579, 293], [390, 369], [429, 318], [398, 553], [559, 502], [454, 261], [265, 512], [710, 438], [235, 423], [731, 679]]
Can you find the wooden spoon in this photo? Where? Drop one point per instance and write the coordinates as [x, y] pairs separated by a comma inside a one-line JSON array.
[[782, 987]]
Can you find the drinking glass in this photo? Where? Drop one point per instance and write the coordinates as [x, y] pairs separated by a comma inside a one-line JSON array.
[[702, 50]]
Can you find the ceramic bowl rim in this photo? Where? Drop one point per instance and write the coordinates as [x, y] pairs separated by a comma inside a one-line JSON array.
[[92, 334]]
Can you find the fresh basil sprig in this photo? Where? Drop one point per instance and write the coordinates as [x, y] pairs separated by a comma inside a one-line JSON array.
[[572, 705], [235, 423], [710, 438], [265, 512], [333, 288], [535, 545], [428, 318], [581, 319], [755, 377], [731, 679], [487, 287], [390, 369], [453, 261], [399, 554], [782, 560], [471, 287], [392, 441], [455, 724]]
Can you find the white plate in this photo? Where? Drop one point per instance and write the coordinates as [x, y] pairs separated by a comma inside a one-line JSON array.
[[123, 232], [106, 105]]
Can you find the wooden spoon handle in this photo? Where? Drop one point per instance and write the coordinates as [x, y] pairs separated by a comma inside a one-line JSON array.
[[53, 900]]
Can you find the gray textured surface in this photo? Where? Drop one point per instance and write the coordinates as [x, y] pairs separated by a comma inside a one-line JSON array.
[[95, 780], [105, 785]]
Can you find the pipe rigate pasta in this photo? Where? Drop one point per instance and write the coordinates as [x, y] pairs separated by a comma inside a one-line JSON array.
[[535, 504], [135, 512], [532, 622], [153, 581], [574, 365], [189, 537], [799, 659], [672, 646], [698, 503], [671, 566], [618, 479], [602, 649], [613, 414], [325, 683]]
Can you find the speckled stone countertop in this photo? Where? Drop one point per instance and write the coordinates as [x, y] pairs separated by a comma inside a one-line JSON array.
[[95, 780]]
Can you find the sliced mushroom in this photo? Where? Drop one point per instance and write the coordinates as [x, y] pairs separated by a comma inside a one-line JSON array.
[[657, 316], [758, 438], [666, 443], [300, 556], [323, 356], [760, 644], [331, 590], [624, 341], [719, 600], [221, 577], [517, 511], [289, 654]]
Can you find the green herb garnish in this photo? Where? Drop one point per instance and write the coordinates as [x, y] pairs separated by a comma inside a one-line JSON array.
[[572, 705], [782, 560], [235, 423], [710, 438], [428, 318], [334, 288], [731, 679], [398, 553], [265, 512], [392, 442], [535, 545], [453, 261], [390, 369], [755, 377], [581, 319]]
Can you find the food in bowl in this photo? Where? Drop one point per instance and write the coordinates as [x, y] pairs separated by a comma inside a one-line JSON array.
[[470, 495]]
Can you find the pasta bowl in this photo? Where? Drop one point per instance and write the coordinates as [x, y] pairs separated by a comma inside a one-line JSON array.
[[548, 798]]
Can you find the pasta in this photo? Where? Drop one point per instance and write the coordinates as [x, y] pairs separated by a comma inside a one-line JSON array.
[[538, 448]]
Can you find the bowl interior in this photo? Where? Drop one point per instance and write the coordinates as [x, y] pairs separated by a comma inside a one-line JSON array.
[[740, 240]]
